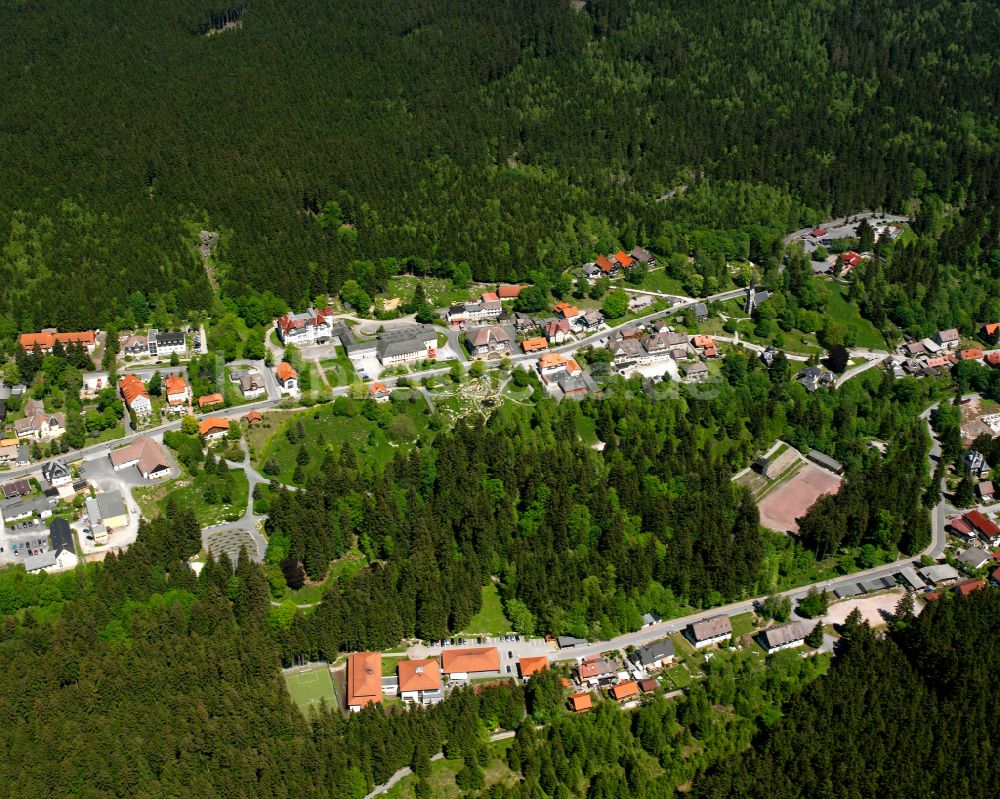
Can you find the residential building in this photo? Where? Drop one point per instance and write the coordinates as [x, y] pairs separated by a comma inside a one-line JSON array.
[[566, 311], [136, 397], [532, 345], [947, 338], [57, 473], [591, 270], [623, 259], [557, 331], [939, 573], [532, 665], [364, 680], [987, 530], [486, 340], [654, 655], [254, 417], [625, 690], [459, 664], [310, 327], [571, 385], [825, 461], [971, 354], [40, 425], [49, 337], [143, 453], [19, 508], [975, 464], [213, 427], [552, 363], [420, 681], [486, 308], [135, 346], [410, 343], [974, 557], [605, 265], [507, 291], [985, 490], [648, 685], [580, 702], [378, 392], [17, 488], [785, 636], [649, 619], [701, 312], [212, 400], [8, 453], [966, 587], [288, 378], [252, 384], [177, 392], [816, 377], [595, 671], [709, 631], [628, 352], [161, 345], [590, 320], [991, 329], [696, 372], [642, 255]]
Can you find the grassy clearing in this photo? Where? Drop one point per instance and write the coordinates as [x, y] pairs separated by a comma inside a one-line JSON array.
[[658, 280], [491, 619], [188, 492], [839, 309], [324, 428], [440, 292], [308, 687]]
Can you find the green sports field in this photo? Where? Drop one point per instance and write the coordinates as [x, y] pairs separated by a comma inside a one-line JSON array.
[[309, 685]]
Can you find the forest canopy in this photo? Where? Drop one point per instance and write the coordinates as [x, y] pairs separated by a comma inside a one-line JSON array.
[[323, 138]]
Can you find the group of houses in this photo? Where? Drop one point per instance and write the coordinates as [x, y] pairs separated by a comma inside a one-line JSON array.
[[638, 345], [936, 354], [48, 338], [488, 308], [617, 262], [562, 375], [974, 525], [423, 681]]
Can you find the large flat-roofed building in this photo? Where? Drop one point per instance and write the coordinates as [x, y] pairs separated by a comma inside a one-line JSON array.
[[410, 343]]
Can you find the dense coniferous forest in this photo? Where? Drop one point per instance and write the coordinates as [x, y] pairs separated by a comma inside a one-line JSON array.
[[355, 139]]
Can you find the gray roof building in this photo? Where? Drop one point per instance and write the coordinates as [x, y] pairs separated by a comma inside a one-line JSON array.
[[974, 557], [939, 573], [111, 504], [653, 653], [784, 635], [821, 459], [711, 628], [910, 577]]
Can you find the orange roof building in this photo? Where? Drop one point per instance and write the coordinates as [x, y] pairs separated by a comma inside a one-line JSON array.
[[364, 680], [971, 354], [551, 361], [625, 690], [285, 372], [581, 702], [604, 264], [455, 662], [991, 328], [623, 259], [176, 389], [418, 675], [47, 339], [534, 344], [378, 391], [993, 358], [506, 291], [211, 400], [966, 587], [489, 296], [132, 387], [567, 311], [703, 341], [254, 417], [213, 427], [529, 666]]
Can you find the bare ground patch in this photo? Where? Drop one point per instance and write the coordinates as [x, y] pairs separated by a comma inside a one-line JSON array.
[[782, 508]]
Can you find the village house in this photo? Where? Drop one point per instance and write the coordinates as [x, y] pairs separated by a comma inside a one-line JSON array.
[[700, 312], [591, 270], [596, 671], [589, 321], [37, 424], [580, 702], [17, 488], [966, 587], [50, 336], [971, 354], [57, 473], [643, 256], [311, 327], [178, 393], [460, 664], [939, 573], [364, 680], [532, 345], [623, 259], [378, 392], [948, 339], [486, 340], [627, 352], [986, 529], [557, 331], [420, 681], [713, 630], [509, 291], [816, 377], [625, 690], [696, 372], [975, 464], [974, 557], [566, 311], [212, 400], [985, 491], [135, 347], [605, 265], [252, 384], [552, 364], [143, 453], [528, 666], [287, 376], [654, 655], [785, 636], [213, 427], [410, 343], [255, 417], [133, 391]]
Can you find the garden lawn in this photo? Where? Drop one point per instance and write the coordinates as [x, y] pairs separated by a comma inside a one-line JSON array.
[[440, 292], [190, 493], [324, 429], [491, 619], [658, 280], [742, 624]]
